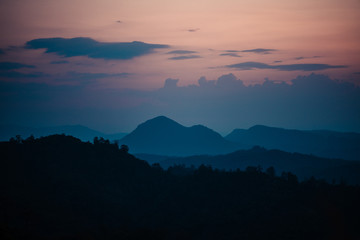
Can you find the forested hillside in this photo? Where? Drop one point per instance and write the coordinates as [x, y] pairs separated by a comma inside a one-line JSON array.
[[58, 187]]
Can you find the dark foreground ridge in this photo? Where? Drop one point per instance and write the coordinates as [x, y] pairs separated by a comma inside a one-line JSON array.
[[58, 187]]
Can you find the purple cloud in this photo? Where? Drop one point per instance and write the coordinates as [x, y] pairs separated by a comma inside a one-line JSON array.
[[71, 47]]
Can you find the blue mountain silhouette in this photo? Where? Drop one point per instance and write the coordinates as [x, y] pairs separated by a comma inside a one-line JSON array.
[[321, 143], [164, 136]]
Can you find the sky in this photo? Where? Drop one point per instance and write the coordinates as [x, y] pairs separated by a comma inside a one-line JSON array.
[[227, 64]]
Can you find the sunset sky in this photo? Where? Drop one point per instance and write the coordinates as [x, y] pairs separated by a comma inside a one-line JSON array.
[[103, 64]]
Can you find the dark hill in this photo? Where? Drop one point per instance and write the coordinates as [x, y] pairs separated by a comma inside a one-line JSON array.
[[58, 187], [327, 144], [164, 136]]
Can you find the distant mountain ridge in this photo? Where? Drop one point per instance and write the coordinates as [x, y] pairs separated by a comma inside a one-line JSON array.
[[79, 131], [164, 136], [321, 143], [302, 165]]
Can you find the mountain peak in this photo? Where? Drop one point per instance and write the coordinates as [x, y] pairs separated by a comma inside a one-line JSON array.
[[160, 122], [160, 118], [259, 126], [164, 136]]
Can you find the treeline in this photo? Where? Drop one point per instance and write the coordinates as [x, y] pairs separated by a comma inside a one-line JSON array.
[[58, 187]]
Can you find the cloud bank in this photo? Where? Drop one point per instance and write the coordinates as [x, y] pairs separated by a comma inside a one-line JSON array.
[[301, 58], [288, 67], [184, 57], [8, 70], [5, 66], [308, 102], [193, 29], [181, 52], [231, 54], [260, 50], [22, 76], [71, 47]]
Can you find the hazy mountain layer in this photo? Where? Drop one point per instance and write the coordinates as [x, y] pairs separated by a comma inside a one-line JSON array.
[[79, 131], [327, 144], [304, 166]]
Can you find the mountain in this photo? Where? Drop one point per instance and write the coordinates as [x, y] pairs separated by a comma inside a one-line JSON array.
[[304, 166], [164, 136], [328, 144], [79, 131]]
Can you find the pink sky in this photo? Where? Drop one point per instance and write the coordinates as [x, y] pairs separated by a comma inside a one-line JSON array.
[[106, 81], [327, 29]]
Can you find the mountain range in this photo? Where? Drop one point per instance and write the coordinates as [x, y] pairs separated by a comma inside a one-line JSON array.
[[78, 131], [328, 144], [163, 136]]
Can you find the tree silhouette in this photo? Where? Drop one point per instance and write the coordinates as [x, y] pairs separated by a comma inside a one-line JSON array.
[[124, 148], [270, 171], [58, 187]]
